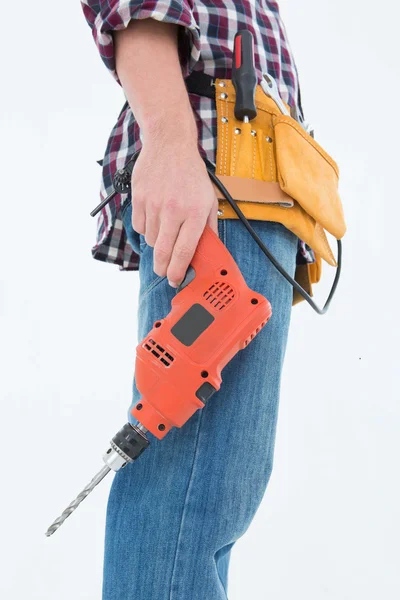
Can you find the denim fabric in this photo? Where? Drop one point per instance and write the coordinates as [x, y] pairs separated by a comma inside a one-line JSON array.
[[174, 515]]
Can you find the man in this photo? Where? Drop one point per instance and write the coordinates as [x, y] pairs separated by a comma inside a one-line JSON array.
[[174, 516]]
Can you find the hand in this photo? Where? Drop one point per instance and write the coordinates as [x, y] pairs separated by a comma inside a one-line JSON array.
[[172, 195], [172, 201]]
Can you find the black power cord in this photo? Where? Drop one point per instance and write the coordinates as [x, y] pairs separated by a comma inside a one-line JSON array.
[[122, 183], [277, 265]]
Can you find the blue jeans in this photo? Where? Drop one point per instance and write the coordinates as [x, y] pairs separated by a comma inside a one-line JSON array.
[[174, 515]]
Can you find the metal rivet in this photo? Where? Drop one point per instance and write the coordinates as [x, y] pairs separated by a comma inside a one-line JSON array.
[[253, 132], [220, 212], [223, 96], [224, 120], [268, 139], [238, 130], [222, 84]]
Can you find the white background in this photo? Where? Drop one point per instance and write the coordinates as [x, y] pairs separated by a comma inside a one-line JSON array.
[[328, 527]]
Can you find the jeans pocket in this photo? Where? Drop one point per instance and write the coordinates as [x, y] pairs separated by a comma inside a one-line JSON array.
[[127, 205]]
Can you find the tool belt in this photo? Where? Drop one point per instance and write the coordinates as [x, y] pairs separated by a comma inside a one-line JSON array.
[[276, 172]]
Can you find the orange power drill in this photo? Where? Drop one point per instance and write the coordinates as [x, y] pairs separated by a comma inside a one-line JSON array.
[[178, 365]]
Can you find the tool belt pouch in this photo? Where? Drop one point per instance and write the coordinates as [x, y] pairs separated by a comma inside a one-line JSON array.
[[278, 172]]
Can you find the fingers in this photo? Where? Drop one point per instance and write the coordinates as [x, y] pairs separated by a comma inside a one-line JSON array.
[[152, 227], [145, 220], [212, 220], [138, 217], [183, 251], [166, 239]]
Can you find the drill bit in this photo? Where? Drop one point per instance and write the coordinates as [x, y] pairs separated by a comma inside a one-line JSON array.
[[71, 507], [125, 447]]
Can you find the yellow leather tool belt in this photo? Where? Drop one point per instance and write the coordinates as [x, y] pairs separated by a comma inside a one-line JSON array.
[[277, 172]]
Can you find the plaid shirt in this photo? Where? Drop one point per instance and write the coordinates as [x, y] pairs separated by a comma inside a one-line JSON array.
[[207, 30]]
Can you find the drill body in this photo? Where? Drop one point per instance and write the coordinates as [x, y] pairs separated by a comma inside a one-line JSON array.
[[213, 316]]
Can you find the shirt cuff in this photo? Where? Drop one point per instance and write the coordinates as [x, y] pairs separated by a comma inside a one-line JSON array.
[[106, 16]]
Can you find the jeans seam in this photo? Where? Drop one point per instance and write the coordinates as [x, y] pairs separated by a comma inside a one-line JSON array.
[[186, 501], [150, 287]]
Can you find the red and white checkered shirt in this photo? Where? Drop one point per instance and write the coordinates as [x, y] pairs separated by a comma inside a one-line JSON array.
[[206, 39]]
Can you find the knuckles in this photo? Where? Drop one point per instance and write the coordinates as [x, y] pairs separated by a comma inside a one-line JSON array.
[[183, 252], [138, 199], [161, 254], [173, 205]]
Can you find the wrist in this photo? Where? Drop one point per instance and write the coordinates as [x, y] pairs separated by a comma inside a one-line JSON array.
[[169, 126]]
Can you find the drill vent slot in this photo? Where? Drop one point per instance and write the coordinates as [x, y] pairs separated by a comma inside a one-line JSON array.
[[159, 352], [253, 335], [220, 294]]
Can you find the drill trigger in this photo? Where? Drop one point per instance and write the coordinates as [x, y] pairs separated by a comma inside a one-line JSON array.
[[190, 275]]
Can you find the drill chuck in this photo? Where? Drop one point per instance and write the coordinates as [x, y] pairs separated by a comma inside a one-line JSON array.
[[130, 441], [126, 446]]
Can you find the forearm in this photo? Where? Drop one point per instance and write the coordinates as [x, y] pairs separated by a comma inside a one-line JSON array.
[[148, 67], [172, 196]]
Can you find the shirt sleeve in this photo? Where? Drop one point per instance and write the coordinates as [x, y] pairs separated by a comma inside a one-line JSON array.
[[106, 16]]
